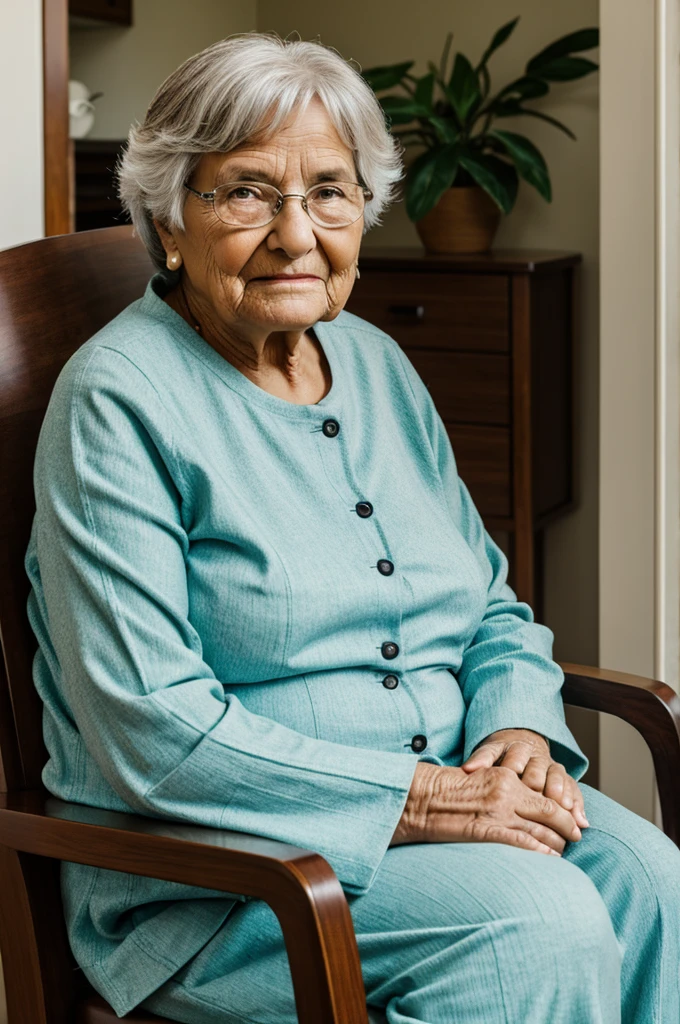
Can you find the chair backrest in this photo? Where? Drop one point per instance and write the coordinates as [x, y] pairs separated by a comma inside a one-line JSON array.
[[54, 295]]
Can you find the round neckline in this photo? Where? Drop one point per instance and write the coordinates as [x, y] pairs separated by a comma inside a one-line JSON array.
[[154, 304]]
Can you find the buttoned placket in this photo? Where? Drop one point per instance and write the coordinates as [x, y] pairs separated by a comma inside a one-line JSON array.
[[390, 606]]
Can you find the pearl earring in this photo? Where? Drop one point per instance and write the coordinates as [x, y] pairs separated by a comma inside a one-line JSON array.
[[358, 272], [174, 261]]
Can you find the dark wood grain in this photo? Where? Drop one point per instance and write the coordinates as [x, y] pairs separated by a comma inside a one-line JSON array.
[[652, 708], [483, 457], [55, 117], [450, 311], [119, 12], [36, 959], [498, 261], [522, 439], [54, 295], [466, 387], [299, 886]]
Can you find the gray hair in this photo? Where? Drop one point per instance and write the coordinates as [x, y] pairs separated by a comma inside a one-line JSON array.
[[242, 87]]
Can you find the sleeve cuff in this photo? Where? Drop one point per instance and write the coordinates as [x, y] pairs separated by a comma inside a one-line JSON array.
[[563, 746]]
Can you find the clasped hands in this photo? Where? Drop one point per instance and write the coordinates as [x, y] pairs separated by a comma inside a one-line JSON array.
[[509, 791]]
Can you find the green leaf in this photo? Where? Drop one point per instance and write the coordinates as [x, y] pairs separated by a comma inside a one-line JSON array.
[[501, 37], [441, 71], [412, 137], [464, 88], [528, 160], [386, 77], [424, 91], [525, 88], [428, 178], [446, 130], [575, 42], [567, 69], [518, 110], [497, 177], [483, 72], [402, 109]]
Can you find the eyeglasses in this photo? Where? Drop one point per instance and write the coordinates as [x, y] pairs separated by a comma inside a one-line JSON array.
[[252, 204]]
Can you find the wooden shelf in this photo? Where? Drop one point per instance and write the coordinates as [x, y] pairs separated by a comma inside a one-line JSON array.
[[90, 13]]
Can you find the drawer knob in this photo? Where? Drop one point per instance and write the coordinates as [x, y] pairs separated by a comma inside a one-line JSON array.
[[416, 311]]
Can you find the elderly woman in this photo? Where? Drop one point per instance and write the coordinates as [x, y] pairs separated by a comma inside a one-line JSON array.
[[265, 601]]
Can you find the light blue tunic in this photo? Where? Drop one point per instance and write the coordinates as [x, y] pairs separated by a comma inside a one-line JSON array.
[[211, 619]]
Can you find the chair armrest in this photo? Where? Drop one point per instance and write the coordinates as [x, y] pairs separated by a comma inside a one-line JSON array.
[[299, 886], [652, 708]]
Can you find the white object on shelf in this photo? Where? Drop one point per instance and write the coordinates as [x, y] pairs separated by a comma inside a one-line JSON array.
[[80, 110]]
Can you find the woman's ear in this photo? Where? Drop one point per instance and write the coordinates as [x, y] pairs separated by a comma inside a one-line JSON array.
[[173, 257]]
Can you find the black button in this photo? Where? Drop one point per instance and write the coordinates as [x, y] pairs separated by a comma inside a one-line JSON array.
[[418, 743], [390, 682], [389, 650], [331, 428], [385, 567], [364, 509]]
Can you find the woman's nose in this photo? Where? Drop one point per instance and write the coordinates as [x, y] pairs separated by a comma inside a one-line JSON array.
[[292, 228]]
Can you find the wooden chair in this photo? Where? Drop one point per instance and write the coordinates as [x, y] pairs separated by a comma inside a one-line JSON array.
[[54, 294]]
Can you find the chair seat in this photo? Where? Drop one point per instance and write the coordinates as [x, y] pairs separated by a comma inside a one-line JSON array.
[[95, 1010]]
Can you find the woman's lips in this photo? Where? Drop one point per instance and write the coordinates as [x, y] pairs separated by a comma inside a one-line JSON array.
[[290, 277]]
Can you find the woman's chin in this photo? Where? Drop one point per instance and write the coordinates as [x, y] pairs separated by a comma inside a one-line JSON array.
[[289, 314]]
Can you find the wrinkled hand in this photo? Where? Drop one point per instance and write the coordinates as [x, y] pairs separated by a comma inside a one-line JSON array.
[[489, 805], [528, 755]]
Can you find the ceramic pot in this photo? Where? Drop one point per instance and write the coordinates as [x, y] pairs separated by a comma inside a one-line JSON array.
[[465, 219], [80, 110]]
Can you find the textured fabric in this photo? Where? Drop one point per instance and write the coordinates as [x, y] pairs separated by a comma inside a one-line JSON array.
[[479, 934], [211, 619]]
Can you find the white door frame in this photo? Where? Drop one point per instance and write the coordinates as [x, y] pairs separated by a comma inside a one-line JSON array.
[[639, 367]]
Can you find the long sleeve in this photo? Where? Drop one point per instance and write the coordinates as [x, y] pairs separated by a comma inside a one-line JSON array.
[[508, 676], [167, 738]]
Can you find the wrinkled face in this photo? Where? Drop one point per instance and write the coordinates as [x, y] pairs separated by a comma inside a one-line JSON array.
[[227, 268]]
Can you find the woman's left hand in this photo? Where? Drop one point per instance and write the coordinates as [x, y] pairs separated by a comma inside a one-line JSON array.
[[528, 754]]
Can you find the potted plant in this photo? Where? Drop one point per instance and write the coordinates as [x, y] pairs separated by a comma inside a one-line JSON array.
[[468, 175]]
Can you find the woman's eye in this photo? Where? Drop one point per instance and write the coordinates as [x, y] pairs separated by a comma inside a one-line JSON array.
[[328, 192], [243, 192]]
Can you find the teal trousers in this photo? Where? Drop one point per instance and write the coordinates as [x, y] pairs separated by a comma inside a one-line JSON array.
[[478, 934]]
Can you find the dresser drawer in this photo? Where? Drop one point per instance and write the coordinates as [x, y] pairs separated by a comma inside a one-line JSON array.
[[449, 311], [483, 460], [117, 11], [466, 388]]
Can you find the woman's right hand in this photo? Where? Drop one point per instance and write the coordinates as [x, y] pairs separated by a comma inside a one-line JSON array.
[[493, 805]]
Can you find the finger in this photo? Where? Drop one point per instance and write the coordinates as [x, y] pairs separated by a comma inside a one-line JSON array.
[[516, 837], [548, 812], [484, 757], [535, 773], [544, 835], [556, 788], [578, 809], [516, 757]]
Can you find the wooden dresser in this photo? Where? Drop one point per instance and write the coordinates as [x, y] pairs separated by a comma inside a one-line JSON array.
[[492, 336]]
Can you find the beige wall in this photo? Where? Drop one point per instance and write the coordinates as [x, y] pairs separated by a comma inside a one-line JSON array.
[[128, 64], [386, 31], [639, 367], [21, 169]]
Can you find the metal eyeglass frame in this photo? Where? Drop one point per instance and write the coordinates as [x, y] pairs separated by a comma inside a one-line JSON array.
[[210, 197]]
